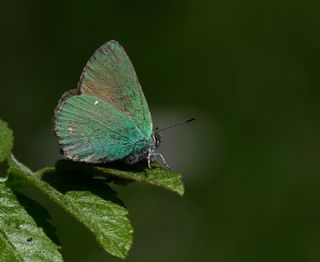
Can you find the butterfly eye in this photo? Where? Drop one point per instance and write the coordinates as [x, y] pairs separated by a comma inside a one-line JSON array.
[[157, 138]]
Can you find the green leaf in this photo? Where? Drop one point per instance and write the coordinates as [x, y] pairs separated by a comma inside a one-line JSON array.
[[6, 141], [7, 251], [20, 238], [157, 176], [91, 201]]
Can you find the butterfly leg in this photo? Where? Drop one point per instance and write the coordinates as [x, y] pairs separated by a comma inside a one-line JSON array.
[[149, 159], [163, 160]]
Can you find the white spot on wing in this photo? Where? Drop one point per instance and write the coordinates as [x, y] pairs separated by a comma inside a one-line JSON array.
[[70, 130], [96, 102]]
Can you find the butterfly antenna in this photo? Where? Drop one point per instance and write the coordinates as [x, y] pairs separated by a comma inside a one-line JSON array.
[[178, 124]]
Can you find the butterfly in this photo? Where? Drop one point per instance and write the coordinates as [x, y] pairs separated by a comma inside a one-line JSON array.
[[107, 117]]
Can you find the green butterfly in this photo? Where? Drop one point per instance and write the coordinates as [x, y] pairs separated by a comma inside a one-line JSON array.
[[107, 117]]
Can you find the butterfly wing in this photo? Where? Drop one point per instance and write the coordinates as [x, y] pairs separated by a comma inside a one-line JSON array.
[[110, 76], [93, 131]]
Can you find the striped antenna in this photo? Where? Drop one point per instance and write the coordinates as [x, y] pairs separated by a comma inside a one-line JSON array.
[[175, 125]]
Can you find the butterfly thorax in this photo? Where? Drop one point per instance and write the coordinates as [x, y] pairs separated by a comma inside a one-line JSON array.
[[147, 153]]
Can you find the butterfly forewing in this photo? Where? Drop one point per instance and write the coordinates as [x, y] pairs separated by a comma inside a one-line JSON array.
[[110, 76], [91, 130]]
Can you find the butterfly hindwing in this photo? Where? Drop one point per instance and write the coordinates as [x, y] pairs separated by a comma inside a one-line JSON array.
[[110, 76], [93, 131]]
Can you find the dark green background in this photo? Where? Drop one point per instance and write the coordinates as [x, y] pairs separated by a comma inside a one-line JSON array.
[[247, 70]]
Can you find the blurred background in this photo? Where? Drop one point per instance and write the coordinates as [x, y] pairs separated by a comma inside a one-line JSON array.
[[247, 70]]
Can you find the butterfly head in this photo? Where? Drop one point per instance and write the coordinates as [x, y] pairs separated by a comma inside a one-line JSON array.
[[150, 153], [156, 138]]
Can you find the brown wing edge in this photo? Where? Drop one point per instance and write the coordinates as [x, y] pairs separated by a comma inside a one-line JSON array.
[[93, 57], [65, 96]]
